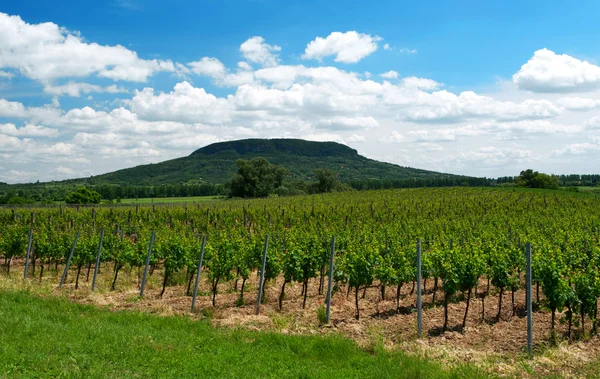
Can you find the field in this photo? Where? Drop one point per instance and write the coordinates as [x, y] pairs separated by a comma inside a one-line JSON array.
[[165, 200], [473, 255]]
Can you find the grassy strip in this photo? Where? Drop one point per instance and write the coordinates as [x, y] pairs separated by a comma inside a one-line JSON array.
[[51, 337]]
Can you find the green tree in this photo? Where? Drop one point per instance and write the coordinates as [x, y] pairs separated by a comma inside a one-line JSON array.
[[83, 195], [256, 178], [533, 179], [327, 180]]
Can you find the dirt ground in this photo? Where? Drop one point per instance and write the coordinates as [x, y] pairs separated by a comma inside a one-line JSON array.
[[496, 346]]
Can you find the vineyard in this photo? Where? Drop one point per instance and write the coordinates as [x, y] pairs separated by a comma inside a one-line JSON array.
[[472, 242]]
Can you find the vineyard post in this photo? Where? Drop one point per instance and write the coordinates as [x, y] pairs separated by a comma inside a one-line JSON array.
[[262, 275], [329, 285], [28, 253], [64, 275], [198, 273], [419, 300], [147, 263], [528, 298], [97, 259]]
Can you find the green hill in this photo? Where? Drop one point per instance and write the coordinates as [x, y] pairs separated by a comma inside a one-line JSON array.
[[215, 164]]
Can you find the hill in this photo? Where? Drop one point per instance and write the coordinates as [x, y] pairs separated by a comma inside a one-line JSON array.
[[215, 164]]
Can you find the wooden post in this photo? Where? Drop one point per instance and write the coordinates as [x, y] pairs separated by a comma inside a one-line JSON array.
[[528, 299], [419, 300], [330, 281], [64, 275], [97, 260], [262, 275], [147, 263], [28, 250], [198, 273]]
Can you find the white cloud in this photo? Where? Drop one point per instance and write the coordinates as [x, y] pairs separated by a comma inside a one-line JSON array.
[[430, 146], [489, 157], [593, 123], [184, 104], [256, 50], [420, 83], [348, 123], [390, 75], [349, 47], [444, 106], [387, 47], [578, 149], [394, 137], [7, 75], [46, 52], [209, 67], [63, 171], [547, 71], [77, 89], [244, 66], [408, 51], [27, 131], [577, 103], [356, 138], [16, 176]]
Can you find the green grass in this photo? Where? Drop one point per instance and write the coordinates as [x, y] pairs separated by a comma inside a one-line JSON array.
[[157, 200], [51, 337]]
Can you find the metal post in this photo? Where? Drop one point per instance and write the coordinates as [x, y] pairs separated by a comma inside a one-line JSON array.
[[147, 263], [198, 273], [528, 298], [329, 285], [28, 252], [64, 275], [419, 300], [262, 275], [97, 260]]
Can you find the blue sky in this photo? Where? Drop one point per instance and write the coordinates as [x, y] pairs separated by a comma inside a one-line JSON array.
[[472, 87]]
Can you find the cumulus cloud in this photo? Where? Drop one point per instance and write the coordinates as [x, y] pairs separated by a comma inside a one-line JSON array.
[[394, 137], [578, 149], [342, 122], [547, 71], [208, 66], [390, 75], [593, 123], [77, 89], [184, 104], [27, 131], [256, 50], [577, 103], [349, 47], [17, 176], [46, 52], [408, 51]]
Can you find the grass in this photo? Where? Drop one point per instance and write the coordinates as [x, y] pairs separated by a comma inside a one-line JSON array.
[[51, 337]]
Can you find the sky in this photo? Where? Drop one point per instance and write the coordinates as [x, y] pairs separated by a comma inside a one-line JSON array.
[[479, 88]]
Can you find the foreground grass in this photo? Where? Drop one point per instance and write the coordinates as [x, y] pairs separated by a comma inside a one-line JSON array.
[[51, 337]]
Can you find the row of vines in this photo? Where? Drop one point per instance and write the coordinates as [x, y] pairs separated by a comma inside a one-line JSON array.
[[469, 236]]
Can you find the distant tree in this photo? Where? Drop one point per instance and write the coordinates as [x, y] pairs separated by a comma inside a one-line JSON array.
[[18, 200], [83, 195], [533, 179], [256, 178], [327, 180]]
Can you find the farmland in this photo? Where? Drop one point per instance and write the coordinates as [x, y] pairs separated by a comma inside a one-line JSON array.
[[473, 266]]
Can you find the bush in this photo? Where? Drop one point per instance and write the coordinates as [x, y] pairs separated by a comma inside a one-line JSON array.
[[83, 196]]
